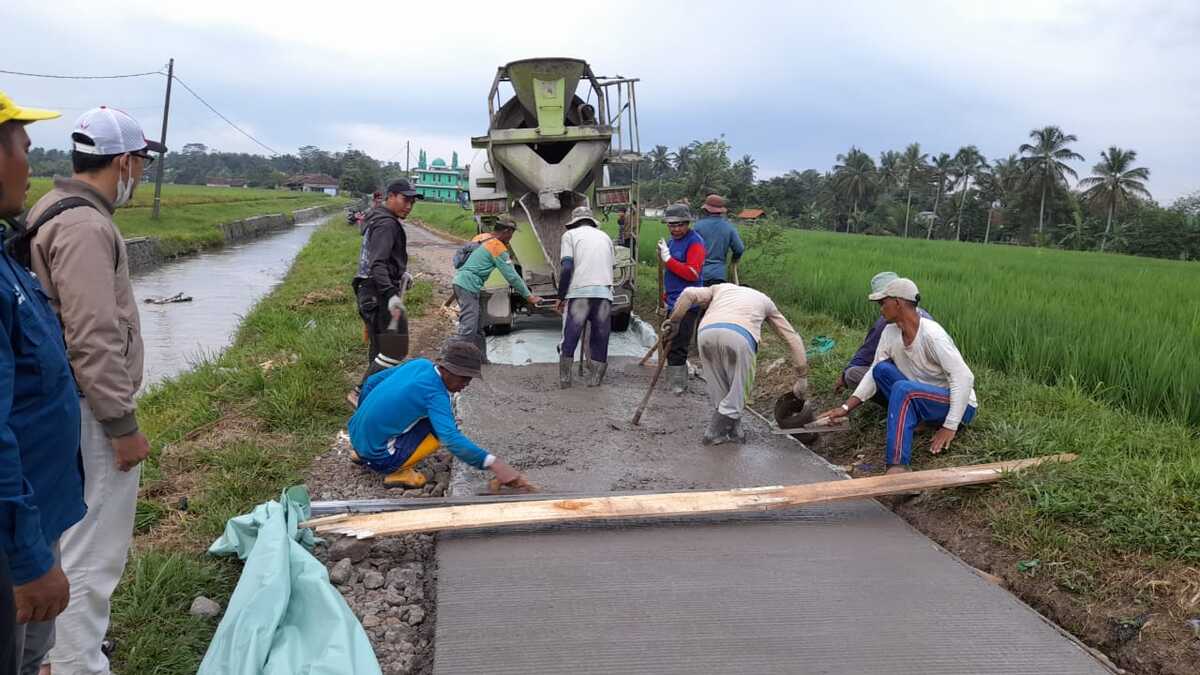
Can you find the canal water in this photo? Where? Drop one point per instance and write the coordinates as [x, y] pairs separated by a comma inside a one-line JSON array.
[[224, 285]]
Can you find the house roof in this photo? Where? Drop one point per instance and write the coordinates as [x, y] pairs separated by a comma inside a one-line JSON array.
[[750, 214], [313, 179]]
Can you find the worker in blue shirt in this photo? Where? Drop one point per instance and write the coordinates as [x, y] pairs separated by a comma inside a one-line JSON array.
[[404, 415], [41, 483], [721, 240]]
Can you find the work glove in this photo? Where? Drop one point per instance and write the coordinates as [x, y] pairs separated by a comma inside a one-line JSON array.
[[396, 303], [800, 388], [664, 254], [407, 281]]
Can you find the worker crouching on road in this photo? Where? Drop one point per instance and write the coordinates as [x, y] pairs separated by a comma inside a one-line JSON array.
[[920, 372], [404, 415], [491, 254], [730, 333], [585, 287], [682, 259]]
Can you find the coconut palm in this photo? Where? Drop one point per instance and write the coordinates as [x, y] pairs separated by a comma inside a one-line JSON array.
[[941, 167], [1113, 183], [968, 161], [660, 161], [913, 163], [998, 184], [744, 169], [890, 170], [1046, 163], [853, 179], [683, 158]]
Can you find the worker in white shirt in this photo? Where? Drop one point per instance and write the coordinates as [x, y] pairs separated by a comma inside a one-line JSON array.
[[919, 370], [585, 295], [730, 332]]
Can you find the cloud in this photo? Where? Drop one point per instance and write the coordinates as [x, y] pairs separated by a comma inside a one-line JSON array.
[[792, 84]]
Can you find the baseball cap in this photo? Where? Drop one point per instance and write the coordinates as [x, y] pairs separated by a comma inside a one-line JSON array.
[[900, 287], [580, 214], [10, 111], [403, 187], [108, 131], [881, 280], [714, 204], [462, 359]]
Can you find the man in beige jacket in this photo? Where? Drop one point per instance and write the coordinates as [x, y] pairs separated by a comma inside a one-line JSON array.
[[80, 258], [730, 332]]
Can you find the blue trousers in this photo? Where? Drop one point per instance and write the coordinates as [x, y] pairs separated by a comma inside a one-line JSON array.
[[400, 449], [910, 403], [594, 313]]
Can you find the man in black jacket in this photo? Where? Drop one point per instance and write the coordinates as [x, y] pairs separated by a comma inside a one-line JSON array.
[[383, 262]]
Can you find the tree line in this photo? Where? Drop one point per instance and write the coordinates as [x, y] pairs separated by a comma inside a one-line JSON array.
[[196, 164], [1024, 198]]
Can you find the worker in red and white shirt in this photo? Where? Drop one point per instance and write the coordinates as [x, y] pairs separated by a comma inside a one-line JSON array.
[[919, 370], [683, 259]]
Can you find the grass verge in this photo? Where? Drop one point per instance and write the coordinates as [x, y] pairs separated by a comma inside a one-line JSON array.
[[230, 434], [449, 218]]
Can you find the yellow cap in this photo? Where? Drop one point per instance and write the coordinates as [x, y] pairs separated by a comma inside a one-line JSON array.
[[10, 111]]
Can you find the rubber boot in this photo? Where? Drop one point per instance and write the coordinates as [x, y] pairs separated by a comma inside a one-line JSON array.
[[736, 433], [718, 429], [596, 372], [409, 478], [564, 372], [678, 377]]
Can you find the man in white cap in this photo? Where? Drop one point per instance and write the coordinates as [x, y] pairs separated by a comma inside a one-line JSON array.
[[862, 360], [920, 372], [80, 258], [585, 294]]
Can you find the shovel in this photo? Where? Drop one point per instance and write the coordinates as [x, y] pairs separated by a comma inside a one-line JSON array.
[[393, 344]]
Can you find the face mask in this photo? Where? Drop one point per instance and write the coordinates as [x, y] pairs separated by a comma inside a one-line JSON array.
[[124, 188]]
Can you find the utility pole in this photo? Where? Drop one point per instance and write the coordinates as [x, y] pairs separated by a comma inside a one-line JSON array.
[[406, 159], [162, 157]]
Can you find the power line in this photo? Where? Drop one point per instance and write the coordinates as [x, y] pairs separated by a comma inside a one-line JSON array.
[[81, 77], [227, 120]]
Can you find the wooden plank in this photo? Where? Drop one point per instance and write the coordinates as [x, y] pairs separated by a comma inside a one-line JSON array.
[[673, 504]]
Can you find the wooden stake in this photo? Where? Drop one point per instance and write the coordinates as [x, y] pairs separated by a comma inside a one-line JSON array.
[[663, 505]]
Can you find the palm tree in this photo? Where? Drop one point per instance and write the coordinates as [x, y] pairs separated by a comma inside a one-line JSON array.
[[967, 162], [1113, 183], [683, 158], [1046, 163], [660, 161], [853, 178], [744, 169], [997, 184], [941, 166], [912, 164], [890, 170]]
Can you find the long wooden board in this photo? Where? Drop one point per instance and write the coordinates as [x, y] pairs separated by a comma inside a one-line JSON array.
[[670, 504]]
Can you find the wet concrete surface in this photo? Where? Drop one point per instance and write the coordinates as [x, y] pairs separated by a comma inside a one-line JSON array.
[[224, 284], [841, 588]]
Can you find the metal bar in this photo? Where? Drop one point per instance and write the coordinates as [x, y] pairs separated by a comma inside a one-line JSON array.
[[808, 430]]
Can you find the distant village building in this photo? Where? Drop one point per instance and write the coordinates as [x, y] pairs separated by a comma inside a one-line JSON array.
[[313, 182], [218, 181], [440, 183], [750, 215]]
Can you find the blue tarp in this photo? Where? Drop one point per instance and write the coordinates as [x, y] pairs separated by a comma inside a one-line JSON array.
[[284, 618]]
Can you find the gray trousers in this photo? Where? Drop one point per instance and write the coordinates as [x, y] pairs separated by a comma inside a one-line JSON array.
[[34, 639], [729, 369], [470, 319]]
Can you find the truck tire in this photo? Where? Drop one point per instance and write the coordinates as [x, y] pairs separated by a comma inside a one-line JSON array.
[[620, 321]]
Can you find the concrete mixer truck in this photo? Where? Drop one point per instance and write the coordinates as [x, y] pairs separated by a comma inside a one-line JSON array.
[[560, 138]]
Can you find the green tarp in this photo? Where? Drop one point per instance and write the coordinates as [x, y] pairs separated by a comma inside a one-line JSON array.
[[284, 618]]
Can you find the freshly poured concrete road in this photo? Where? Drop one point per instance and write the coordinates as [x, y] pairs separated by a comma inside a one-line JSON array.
[[846, 588]]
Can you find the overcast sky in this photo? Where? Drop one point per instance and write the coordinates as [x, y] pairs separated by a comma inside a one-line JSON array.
[[792, 84]]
